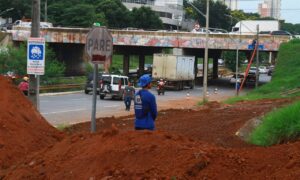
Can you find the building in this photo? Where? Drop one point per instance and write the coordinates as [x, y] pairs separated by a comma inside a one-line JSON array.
[[270, 8], [263, 10], [170, 11], [231, 4]]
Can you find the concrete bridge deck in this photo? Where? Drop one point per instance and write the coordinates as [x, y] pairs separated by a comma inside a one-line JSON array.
[[156, 39]]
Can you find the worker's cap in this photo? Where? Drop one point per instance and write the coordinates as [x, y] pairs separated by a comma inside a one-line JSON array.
[[145, 80], [25, 78]]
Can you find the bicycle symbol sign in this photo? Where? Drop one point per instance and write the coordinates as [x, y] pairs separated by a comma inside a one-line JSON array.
[[36, 56]]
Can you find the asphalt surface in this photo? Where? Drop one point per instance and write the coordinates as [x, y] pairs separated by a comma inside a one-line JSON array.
[[74, 107]]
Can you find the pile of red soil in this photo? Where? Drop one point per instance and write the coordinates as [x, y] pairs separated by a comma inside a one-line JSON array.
[[198, 143], [155, 155], [22, 129]]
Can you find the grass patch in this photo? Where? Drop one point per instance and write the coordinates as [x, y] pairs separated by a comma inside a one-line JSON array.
[[62, 127], [283, 124], [285, 77], [278, 126]]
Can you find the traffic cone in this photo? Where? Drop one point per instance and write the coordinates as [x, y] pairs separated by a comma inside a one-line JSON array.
[[188, 95]]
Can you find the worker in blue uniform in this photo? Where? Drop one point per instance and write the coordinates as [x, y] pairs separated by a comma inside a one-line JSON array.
[[145, 107]]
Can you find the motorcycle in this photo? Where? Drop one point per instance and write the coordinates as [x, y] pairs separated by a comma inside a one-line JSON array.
[[161, 87]]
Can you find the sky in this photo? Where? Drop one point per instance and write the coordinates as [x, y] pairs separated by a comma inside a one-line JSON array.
[[290, 9]]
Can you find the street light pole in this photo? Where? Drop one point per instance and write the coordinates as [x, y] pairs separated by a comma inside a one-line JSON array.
[[206, 54], [205, 66], [237, 55]]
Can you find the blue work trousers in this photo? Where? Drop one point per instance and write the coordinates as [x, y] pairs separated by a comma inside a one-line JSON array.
[[127, 101]]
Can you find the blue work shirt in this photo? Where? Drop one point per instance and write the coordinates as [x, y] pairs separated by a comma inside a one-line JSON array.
[[145, 110]]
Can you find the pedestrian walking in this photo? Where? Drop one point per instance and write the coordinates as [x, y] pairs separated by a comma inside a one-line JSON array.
[[145, 105], [128, 96], [24, 86]]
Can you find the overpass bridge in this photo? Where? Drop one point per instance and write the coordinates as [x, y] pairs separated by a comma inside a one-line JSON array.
[[68, 43]]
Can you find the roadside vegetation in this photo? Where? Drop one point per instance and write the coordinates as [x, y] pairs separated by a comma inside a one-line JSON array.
[[280, 125], [285, 78]]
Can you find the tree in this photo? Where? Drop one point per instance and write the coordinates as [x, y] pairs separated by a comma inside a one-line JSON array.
[[22, 8], [217, 12], [145, 18], [116, 14]]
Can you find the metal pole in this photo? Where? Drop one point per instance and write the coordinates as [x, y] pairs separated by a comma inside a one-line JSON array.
[[237, 63], [46, 12], [257, 57], [95, 82], [35, 32], [206, 54]]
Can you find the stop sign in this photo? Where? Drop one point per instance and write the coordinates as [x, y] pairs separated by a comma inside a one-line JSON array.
[[99, 44]]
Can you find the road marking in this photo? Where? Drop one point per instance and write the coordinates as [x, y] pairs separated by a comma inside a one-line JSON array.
[[111, 106], [57, 112]]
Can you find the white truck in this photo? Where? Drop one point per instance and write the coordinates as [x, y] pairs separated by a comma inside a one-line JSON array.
[[249, 26], [178, 71]]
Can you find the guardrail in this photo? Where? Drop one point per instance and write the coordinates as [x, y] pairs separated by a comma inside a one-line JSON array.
[[60, 86]]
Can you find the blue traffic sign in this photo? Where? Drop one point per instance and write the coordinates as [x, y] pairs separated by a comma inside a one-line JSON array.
[[260, 47], [36, 52], [36, 56]]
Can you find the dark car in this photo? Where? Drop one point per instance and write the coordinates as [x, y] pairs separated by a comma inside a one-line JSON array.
[[270, 71], [5, 27], [265, 32], [89, 83], [281, 33]]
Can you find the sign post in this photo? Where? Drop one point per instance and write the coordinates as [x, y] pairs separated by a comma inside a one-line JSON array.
[[36, 62], [99, 47]]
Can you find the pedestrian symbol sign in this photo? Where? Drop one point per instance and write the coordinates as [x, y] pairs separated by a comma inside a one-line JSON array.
[[36, 56]]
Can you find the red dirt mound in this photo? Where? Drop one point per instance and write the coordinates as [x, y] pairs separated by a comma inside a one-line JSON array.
[[155, 155], [22, 129]]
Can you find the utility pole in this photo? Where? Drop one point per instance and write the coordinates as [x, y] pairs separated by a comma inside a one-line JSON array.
[[257, 57], [46, 12], [34, 80], [206, 54]]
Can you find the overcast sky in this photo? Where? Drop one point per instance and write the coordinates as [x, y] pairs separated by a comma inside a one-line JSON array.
[[290, 9]]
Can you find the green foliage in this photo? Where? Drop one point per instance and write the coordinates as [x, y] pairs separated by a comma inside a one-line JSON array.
[[216, 13], [285, 76], [230, 59], [116, 14], [145, 18], [278, 126], [15, 59]]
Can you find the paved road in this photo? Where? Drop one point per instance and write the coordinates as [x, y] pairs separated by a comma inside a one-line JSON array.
[[76, 107]]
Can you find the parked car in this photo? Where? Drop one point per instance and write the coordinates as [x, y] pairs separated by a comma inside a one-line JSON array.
[[90, 83], [270, 71], [251, 78], [252, 70], [112, 85], [263, 69]]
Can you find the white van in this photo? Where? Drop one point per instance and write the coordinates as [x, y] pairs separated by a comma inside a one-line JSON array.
[[112, 85]]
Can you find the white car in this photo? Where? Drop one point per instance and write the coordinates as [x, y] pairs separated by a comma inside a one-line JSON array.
[[263, 69], [112, 85]]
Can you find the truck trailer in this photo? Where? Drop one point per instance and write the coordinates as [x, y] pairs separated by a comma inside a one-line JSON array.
[[177, 71], [249, 26]]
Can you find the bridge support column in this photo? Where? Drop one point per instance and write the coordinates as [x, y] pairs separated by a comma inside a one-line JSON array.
[[141, 64], [216, 56], [272, 57], [178, 51], [126, 59]]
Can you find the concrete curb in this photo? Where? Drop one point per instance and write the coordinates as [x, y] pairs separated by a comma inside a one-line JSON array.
[[60, 93]]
